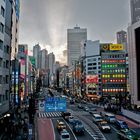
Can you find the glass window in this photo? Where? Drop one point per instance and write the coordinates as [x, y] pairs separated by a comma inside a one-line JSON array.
[[0, 62], [2, 11], [6, 94], [7, 79], [0, 79], [1, 44], [1, 27]]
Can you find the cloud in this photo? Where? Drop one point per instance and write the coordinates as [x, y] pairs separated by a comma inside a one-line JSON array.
[[47, 21]]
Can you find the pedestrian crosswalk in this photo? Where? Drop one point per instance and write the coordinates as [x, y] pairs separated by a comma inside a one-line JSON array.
[[49, 114]]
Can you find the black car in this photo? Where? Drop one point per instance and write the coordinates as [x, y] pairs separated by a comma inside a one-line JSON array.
[[92, 110], [78, 127]]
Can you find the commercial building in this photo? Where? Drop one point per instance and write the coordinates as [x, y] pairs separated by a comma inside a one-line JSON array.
[[7, 38], [135, 11], [23, 59], [91, 68], [43, 59], [36, 50], [51, 58], [74, 39], [122, 38], [113, 69], [134, 62]]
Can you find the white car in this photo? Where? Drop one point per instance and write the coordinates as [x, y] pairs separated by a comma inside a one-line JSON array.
[[65, 135], [103, 125], [70, 119]]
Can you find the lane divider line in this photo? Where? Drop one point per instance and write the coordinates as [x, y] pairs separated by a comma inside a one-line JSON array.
[[53, 129], [70, 129]]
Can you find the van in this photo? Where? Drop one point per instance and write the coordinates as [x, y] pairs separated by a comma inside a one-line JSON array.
[[109, 117], [97, 118]]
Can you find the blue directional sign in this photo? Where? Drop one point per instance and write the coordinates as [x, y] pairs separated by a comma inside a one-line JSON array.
[[54, 104]]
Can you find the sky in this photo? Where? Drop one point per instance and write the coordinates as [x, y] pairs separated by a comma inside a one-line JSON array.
[[46, 21]]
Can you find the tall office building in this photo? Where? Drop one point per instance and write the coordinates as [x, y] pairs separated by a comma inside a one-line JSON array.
[[36, 50], [51, 57], [43, 59], [122, 38], [135, 10], [74, 39]]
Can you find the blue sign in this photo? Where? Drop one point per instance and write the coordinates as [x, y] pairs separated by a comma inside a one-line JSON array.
[[30, 133], [54, 104]]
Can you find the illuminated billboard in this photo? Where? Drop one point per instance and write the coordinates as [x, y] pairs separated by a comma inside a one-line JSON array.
[[92, 79], [116, 47]]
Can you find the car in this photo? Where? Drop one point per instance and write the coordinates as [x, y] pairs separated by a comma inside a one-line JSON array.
[[120, 124], [83, 102], [127, 134], [86, 108], [92, 110], [66, 115], [65, 135], [80, 106], [97, 118], [60, 125], [78, 127], [109, 117], [103, 126], [70, 119]]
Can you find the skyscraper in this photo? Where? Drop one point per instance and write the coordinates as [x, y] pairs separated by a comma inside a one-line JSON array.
[[74, 39], [43, 59], [36, 50], [135, 11], [122, 38]]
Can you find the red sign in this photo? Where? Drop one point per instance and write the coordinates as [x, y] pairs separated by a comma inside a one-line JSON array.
[[92, 79]]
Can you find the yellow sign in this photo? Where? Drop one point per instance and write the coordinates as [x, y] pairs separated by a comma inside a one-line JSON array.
[[116, 47]]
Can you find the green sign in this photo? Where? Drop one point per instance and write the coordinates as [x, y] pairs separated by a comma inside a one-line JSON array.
[[32, 60]]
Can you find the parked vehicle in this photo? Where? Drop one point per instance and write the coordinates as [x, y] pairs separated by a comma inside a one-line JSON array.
[[65, 135], [121, 124], [60, 125], [103, 126], [78, 127], [97, 118], [127, 134]]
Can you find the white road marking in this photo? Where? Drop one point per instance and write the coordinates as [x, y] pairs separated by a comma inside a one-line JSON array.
[[53, 130], [70, 129]]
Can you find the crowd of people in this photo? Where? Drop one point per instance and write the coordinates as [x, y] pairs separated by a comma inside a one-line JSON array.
[[15, 125]]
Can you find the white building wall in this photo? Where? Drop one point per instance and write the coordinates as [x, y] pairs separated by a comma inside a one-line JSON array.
[[132, 63], [74, 39]]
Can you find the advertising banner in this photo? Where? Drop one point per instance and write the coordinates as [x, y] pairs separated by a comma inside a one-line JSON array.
[[116, 47], [91, 79]]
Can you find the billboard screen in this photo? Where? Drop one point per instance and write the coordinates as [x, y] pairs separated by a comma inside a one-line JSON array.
[[55, 104], [92, 79]]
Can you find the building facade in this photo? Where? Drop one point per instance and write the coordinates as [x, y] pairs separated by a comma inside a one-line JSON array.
[[113, 69], [91, 63], [43, 59], [74, 39], [36, 50], [134, 62], [122, 38], [7, 26], [135, 11]]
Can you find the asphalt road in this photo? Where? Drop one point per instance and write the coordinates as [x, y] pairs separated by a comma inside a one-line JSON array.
[[57, 134]]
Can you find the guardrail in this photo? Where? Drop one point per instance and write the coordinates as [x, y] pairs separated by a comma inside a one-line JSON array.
[[131, 115]]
